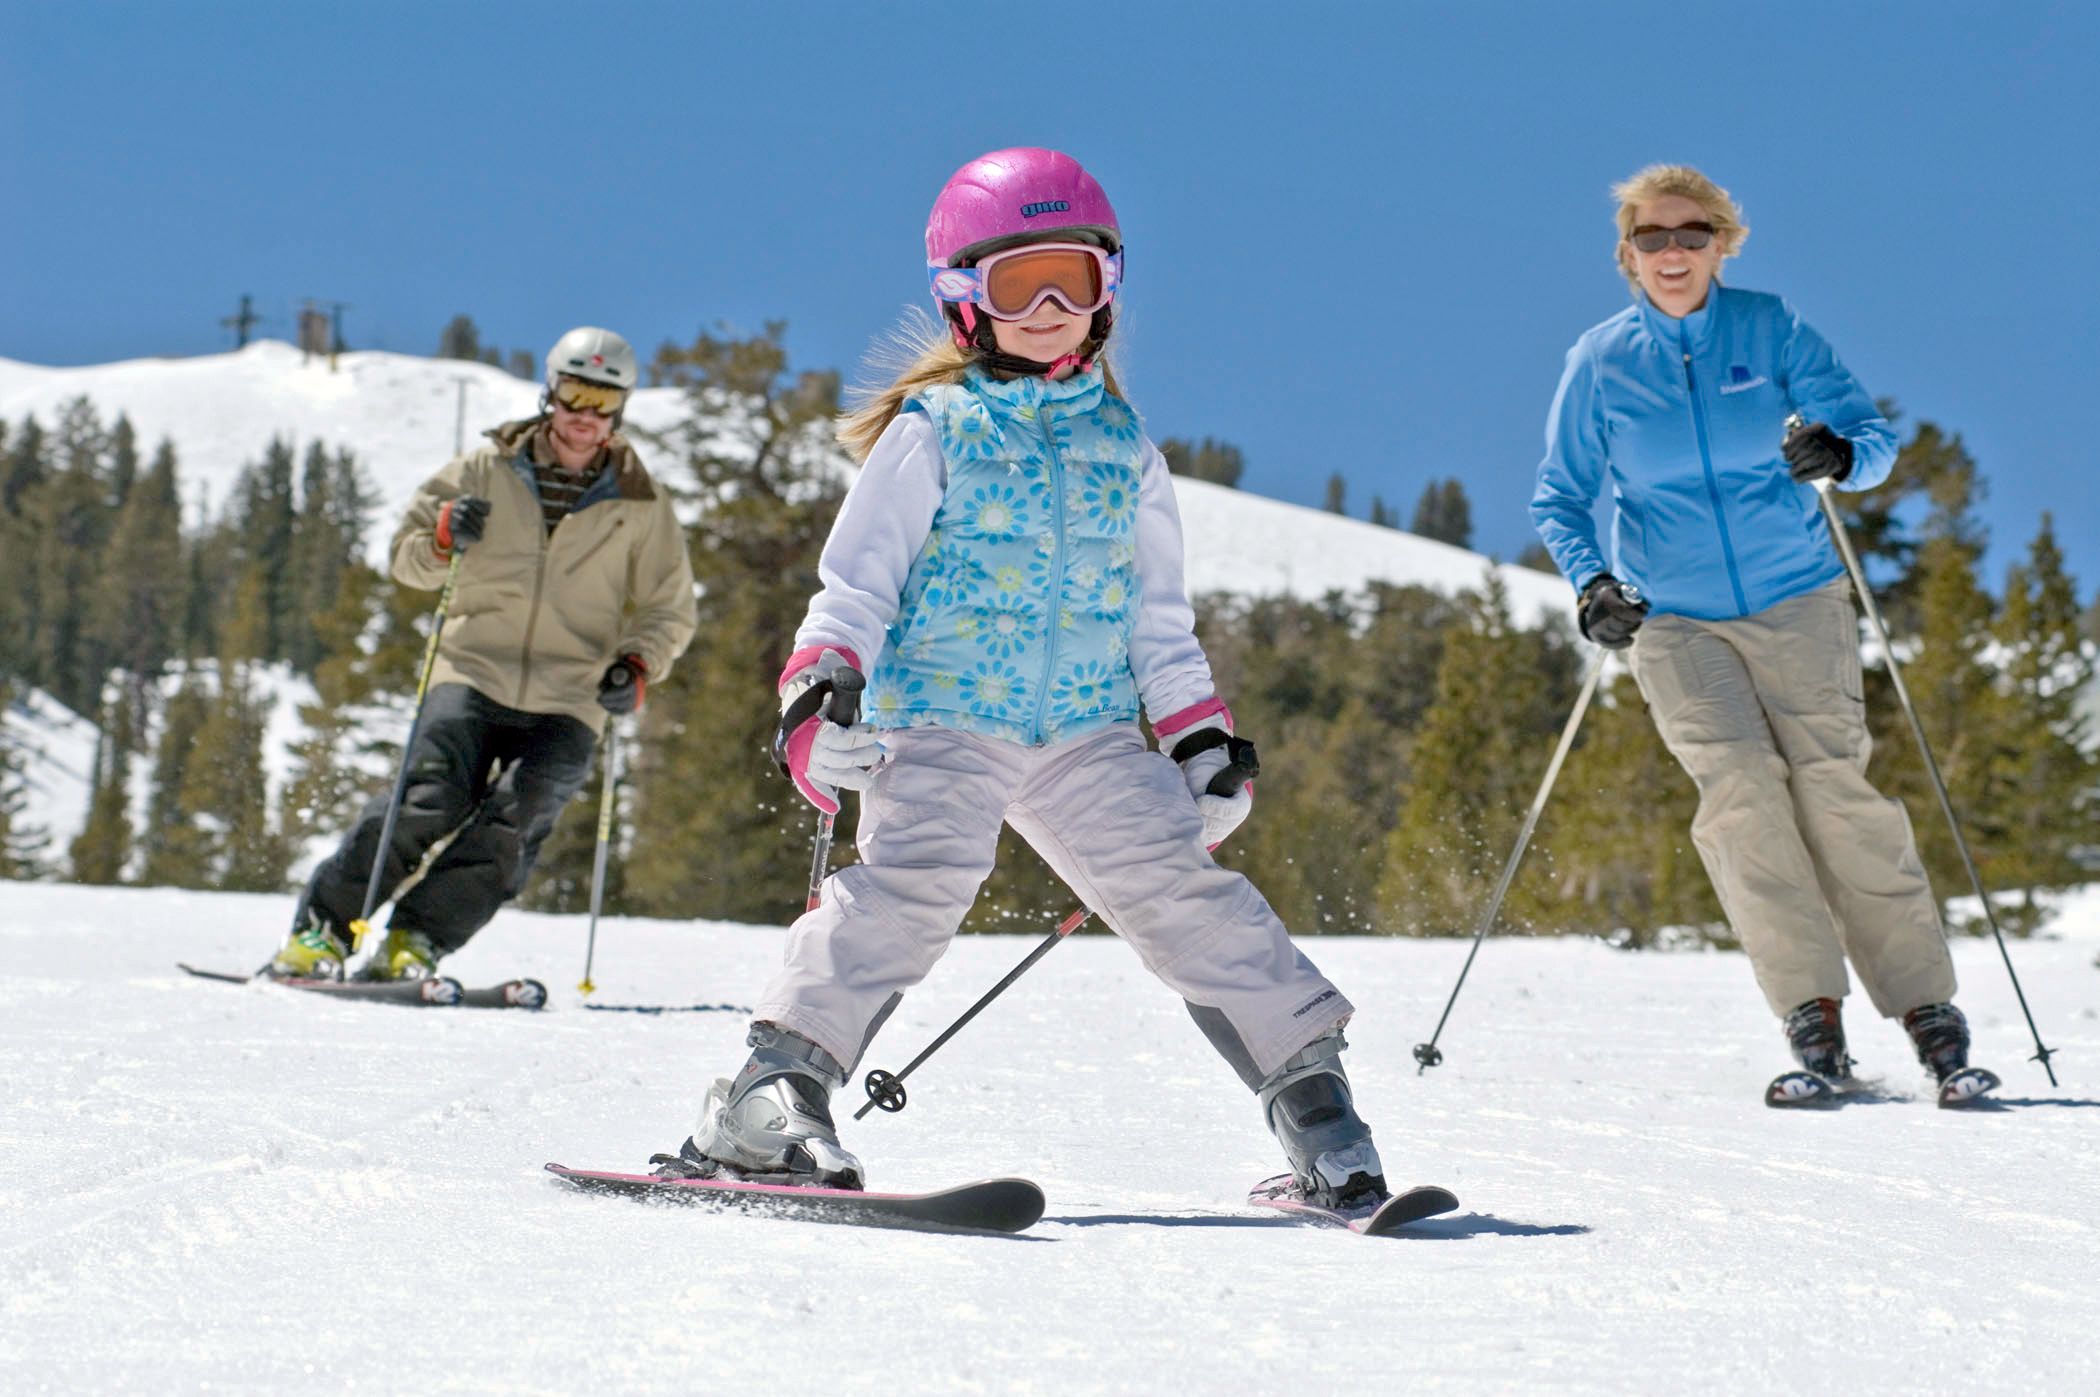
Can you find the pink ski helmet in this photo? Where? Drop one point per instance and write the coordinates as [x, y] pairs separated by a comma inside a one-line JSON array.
[[1027, 194]]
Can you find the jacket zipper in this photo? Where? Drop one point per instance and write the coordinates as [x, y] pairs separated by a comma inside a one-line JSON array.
[[1057, 575], [532, 617], [1713, 487]]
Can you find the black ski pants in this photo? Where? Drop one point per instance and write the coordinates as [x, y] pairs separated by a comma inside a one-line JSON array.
[[497, 776]]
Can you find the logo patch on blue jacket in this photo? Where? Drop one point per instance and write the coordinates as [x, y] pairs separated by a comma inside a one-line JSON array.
[[1046, 206], [1740, 380]]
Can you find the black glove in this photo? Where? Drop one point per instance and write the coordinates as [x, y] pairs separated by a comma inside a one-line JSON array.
[[1814, 452], [1610, 611], [460, 523], [626, 681]]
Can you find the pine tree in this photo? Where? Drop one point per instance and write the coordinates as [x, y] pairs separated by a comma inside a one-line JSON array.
[[319, 553], [1382, 514], [1501, 697], [224, 788], [2049, 769], [174, 847], [717, 832], [72, 521], [1444, 513], [135, 618], [1337, 500], [1951, 683], [100, 851], [123, 461], [23, 468], [17, 656], [266, 527], [339, 765], [1219, 462], [1875, 519], [459, 339], [1614, 843]]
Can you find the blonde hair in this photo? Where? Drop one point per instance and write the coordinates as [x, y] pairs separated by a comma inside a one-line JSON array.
[[918, 354], [1660, 181]]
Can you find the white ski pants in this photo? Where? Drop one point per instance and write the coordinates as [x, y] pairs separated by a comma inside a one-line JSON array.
[[1113, 819], [1811, 863]]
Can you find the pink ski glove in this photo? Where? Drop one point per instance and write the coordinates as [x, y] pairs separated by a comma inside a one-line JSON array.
[[820, 756]]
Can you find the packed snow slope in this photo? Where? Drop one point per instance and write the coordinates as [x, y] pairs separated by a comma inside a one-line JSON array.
[[400, 414], [246, 1189]]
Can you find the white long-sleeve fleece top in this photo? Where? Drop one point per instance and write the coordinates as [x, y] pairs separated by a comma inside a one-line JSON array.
[[995, 561]]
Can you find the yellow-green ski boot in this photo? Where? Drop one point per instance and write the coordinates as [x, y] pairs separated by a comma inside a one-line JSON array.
[[404, 955], [311, 952]]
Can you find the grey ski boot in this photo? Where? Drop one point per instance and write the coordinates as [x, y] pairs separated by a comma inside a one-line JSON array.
[[1309, 1107], [772, 1124]]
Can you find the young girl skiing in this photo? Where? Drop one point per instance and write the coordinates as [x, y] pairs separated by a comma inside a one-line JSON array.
[[1010, 561]]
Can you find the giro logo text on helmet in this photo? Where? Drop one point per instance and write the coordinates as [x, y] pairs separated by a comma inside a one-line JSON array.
[[1046, 206]]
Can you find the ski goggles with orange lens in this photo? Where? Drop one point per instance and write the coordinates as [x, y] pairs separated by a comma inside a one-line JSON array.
[[581, 395], [1010, 285]]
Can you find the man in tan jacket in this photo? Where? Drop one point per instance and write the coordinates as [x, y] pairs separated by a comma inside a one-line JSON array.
[[574, 594]]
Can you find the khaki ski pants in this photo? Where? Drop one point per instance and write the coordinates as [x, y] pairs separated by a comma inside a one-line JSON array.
[[1114, 820], [1812, 865]]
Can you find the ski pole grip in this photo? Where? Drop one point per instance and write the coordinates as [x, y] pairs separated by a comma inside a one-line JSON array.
[[1794, 423], [843, 707], [1244, 767]]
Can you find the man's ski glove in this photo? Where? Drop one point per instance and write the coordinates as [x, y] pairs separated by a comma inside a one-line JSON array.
[[819, 756], [1813, 452], [1219, 767], [625, 684], [460, 523], [1610, 612]]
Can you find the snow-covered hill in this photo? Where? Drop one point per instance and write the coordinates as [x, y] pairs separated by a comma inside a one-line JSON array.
[[400, 413], [242, 1189]]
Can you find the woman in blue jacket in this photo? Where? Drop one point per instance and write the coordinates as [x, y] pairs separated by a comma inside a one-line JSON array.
[[1725, 584]]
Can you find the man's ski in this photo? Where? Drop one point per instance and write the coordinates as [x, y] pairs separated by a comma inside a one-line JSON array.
[[989, 1205], [1425, 1201], [434, 990], [511, 994], [439, 989]]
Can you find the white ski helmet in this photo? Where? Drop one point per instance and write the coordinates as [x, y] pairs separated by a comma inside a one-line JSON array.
[[593, 355]]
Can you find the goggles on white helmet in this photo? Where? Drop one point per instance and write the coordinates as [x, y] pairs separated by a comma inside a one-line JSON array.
[[581, 395]]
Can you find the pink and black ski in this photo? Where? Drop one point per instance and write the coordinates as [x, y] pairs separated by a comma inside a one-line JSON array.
[[1424, 1201], [988, 1205]]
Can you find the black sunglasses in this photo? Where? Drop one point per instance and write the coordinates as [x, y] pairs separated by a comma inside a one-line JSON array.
[[1690, 236]]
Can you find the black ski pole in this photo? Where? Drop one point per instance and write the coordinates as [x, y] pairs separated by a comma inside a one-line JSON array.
[[843, 708], [607, 780], [1843, 539], [886, 1089], [1427, 1054], [362, 927]]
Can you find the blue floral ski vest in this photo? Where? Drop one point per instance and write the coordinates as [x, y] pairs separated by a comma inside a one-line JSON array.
[[1016, 618]]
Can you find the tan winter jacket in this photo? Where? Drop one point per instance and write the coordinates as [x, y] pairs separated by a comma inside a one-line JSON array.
[[537, 617]]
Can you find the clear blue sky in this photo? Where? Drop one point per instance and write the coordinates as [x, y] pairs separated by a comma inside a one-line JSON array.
[[1360, 237]]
